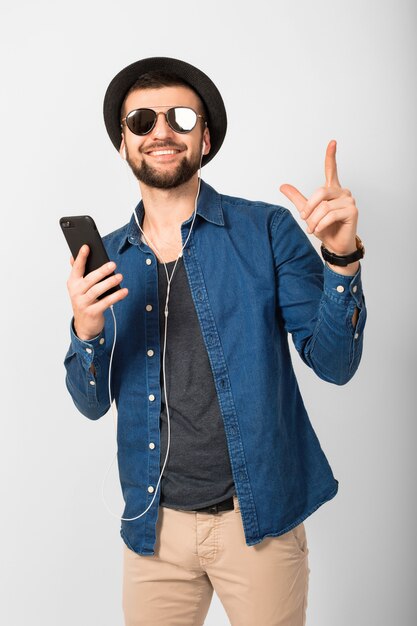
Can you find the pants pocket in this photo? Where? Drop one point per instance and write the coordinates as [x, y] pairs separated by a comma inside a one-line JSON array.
[[236, 504], [300, 538]]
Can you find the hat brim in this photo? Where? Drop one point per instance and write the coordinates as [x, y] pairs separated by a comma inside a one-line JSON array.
[[195, 78]]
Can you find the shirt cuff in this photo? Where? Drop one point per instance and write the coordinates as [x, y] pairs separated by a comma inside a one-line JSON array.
[[343, 289], [87, 350]]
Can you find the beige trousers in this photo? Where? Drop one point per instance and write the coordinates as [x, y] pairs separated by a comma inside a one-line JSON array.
[[261, 585]]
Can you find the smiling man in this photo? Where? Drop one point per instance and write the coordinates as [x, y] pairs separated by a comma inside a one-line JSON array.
[[219, 463], [180, 155]]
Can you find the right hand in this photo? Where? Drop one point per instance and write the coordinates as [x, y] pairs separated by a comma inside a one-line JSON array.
[[84, 290]]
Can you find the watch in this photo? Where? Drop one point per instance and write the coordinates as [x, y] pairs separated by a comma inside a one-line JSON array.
[[342, 261]]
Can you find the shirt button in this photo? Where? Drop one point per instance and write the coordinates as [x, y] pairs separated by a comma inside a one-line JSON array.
[[152, 445], [88, 350], [150, 353], [355, 288], [356, 335], [151, 397], [149, 307], [340, 288], [102, 340], [148, 261], [92, 382], [151, 489]]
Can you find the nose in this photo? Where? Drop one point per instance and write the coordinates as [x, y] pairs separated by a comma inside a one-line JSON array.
[[161, 128]]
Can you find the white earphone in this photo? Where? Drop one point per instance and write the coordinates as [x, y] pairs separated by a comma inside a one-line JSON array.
[[164, 345]]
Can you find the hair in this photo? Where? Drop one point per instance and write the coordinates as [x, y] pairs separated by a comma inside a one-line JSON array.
[[156, 80]]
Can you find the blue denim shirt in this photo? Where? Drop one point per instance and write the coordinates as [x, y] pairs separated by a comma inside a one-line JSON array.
[[254, 277]]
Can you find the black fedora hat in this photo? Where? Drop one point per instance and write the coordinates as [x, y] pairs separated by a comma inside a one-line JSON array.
[[195, 78]]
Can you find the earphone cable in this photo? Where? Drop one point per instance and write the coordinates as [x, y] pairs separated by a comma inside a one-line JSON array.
[[166, 311]]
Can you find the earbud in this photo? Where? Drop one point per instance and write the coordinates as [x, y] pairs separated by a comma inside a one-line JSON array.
[[203, 148], [124, 153]]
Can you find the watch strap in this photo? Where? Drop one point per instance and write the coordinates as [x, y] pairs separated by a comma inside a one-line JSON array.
[[343, 260]]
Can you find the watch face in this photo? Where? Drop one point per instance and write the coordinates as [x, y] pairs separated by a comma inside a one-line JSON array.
[[359, 245]]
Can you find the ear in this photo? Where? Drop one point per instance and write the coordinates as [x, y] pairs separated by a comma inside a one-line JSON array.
[[122, 149], [206, 139]]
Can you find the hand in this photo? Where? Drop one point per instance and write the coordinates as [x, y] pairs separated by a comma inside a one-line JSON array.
[[84, 290], [330, 213]]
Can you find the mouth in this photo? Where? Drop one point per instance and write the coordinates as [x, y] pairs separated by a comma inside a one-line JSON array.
[[158, 153], [163, 151]]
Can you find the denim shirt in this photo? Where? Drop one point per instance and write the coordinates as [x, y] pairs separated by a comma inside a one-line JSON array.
[[254, 277]]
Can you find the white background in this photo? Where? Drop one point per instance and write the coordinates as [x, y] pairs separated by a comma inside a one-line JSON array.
[[293, 75]]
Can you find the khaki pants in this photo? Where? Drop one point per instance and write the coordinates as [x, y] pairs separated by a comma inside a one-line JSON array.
[[261, 585]]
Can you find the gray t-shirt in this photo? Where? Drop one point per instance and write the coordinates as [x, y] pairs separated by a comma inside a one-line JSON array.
[[198, 471]]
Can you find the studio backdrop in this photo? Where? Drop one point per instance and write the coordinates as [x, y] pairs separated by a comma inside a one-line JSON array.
[[293, 75]]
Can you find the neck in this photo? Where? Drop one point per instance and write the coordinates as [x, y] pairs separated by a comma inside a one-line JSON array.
[[167, 209]]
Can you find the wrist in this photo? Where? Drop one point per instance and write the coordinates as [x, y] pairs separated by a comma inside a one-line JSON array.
[[349, 257], [83, 336], [348, 270], [345, 251]]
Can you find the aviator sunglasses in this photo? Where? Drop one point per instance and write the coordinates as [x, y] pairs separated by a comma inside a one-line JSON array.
[[180, 119]]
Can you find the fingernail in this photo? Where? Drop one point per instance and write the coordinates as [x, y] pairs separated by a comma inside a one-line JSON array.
[[111, 265], [303, 214]]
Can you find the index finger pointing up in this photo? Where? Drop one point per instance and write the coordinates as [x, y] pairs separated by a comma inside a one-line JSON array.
[[330, 167]]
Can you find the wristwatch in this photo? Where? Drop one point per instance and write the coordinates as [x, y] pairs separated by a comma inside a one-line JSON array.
[[342, 261]]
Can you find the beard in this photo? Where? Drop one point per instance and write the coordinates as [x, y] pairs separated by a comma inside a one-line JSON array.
[[152, 177]]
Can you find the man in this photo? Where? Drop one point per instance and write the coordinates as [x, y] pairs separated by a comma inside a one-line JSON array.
[[219, 463]]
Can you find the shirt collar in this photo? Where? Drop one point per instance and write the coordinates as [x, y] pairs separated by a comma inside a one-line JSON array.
[[208, 207]]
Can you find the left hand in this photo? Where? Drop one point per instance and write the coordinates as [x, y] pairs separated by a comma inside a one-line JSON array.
[[330, 213]]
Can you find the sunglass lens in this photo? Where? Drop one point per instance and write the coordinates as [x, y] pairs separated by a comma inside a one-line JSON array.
[[141, 121], [182, 119]]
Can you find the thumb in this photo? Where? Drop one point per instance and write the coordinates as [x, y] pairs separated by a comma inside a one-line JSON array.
[[295, 196]]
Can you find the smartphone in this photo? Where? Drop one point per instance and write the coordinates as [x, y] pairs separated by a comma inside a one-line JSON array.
[[79, 230]]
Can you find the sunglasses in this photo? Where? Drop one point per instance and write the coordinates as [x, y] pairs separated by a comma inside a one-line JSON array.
[[180, 119]]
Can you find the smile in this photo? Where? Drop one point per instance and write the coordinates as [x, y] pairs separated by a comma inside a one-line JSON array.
[[162, 152]]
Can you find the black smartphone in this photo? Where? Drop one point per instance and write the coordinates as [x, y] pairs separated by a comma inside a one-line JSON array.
[[79, 230]]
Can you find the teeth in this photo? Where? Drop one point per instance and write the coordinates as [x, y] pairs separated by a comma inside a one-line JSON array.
[[158, 152]]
